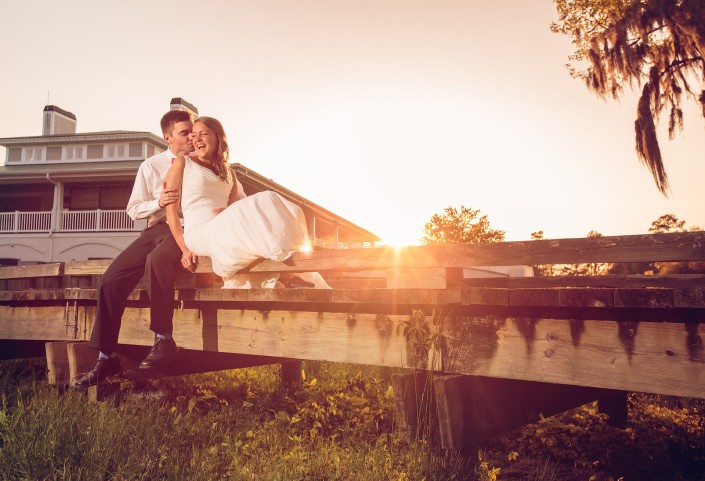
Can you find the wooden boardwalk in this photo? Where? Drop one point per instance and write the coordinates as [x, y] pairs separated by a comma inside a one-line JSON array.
[[633, 333]]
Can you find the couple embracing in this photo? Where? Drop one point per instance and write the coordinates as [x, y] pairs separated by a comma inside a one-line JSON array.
[[192, 177]]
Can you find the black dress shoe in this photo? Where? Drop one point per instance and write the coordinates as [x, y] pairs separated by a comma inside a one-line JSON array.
[[163, 352], [103, 368]]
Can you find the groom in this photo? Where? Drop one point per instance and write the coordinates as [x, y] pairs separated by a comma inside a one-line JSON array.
[[153, 254]]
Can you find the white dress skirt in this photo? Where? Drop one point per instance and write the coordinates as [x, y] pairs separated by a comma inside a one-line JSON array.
[[263, 225]]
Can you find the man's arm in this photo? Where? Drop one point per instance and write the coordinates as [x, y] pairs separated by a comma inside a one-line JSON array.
[[142, 201]]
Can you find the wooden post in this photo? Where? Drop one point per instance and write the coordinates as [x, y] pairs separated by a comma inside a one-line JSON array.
[[81, 358], [472, 409], [615, 406], [291, 372], [58, 373], [414, 406]]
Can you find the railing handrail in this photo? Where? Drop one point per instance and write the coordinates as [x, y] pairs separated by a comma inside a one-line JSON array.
[[95, 220]]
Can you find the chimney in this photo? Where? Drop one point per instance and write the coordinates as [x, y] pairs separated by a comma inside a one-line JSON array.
[[58, 121], [177, 103]]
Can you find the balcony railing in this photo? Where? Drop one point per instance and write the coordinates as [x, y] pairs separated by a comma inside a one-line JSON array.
[[71, 221], [25, 221]]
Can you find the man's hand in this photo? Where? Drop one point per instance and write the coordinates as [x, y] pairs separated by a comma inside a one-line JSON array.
[[167, 197], [189, 260]]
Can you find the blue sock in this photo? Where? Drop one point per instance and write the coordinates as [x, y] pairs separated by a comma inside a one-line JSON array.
[[102, 355], [163, 336]]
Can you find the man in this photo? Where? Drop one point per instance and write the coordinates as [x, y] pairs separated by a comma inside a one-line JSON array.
[[154, 253]]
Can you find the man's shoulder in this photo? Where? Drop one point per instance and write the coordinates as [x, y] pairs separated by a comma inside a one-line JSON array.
[[157, 160]]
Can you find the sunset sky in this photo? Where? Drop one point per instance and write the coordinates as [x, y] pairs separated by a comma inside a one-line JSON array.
[[383, 111]]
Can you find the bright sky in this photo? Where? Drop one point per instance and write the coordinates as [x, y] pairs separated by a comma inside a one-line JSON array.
[[383, 111]]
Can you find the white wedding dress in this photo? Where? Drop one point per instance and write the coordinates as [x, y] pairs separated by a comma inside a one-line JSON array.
[[263, 225]]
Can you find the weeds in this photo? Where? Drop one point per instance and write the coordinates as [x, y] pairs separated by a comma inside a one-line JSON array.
[[337, 425]]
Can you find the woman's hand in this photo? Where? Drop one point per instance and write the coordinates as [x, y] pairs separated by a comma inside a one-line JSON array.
[[189, 260], [218, 210]]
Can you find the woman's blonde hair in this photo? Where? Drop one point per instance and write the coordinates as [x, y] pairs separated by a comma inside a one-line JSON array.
[[221, 165]]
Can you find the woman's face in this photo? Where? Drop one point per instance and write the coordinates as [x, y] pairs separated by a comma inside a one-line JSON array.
[[205, 141]]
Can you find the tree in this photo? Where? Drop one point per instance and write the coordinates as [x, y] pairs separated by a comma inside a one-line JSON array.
[[463, 226], [667, 223], [671, 223], [657, 45]]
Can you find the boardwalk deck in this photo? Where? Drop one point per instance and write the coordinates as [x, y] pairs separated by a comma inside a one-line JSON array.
[[637, 333]]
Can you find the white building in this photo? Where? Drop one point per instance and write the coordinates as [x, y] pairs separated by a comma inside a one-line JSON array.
[[63, 194]]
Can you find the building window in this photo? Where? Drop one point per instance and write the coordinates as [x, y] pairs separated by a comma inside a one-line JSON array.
[[74, 152], [95, 151], [14, 154], [135, 150], [150, 150], [54, 152], [32, 154], [115, 151], [96, 196]]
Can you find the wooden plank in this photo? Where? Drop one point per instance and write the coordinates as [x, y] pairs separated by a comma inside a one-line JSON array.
[[472, 409], [426, 278], [662, 298], [337, 300], [631, 281], [35, 270], [58, 373], [414, 406], [681, 246], [586, 297], [665, 358], [81, 358], [86, 268]]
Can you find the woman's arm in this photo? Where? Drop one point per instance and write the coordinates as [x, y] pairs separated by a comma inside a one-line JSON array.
[[234, 195], [174, 180]]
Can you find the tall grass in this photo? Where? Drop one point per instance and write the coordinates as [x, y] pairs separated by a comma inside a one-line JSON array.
[[242, 425], [230, 425]]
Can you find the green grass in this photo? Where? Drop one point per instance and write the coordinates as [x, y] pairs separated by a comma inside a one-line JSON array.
[[242, 425]]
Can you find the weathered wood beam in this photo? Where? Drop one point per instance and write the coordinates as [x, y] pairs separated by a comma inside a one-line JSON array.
[[29, 271], [674, 280], [665, 358], [472, 409], [682, 246]]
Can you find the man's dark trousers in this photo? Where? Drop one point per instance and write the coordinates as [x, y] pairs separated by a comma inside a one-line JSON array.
[[153, 254]]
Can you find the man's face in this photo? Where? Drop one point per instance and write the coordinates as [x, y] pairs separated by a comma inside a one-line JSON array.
[[179, 139]]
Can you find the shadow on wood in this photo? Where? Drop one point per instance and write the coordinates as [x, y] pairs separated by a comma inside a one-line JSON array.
[[472, 409], [462, 412], [18, 349]]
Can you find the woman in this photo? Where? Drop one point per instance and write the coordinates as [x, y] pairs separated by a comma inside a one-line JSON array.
[[233, 234]]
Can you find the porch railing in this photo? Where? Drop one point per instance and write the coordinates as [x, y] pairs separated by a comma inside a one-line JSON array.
[[25, 221], [71, 221]]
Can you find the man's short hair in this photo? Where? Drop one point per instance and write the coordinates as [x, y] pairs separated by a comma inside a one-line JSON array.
[[172, 117]]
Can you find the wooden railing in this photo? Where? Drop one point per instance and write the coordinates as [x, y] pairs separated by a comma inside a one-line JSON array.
[[638, 333], [70, 221]]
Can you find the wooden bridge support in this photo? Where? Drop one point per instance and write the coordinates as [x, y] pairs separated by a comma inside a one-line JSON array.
[[461, 412]]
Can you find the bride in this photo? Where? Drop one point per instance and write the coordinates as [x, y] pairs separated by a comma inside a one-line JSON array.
[[232, 232]]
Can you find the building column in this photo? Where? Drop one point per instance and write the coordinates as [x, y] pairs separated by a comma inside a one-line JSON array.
[[58, 206]]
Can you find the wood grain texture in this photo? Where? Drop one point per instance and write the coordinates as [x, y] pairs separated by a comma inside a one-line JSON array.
[[38, 270], [680, 246], [665, 358]]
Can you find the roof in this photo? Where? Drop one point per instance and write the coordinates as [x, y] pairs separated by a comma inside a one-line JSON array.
[[100, 170], [113, 135]]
